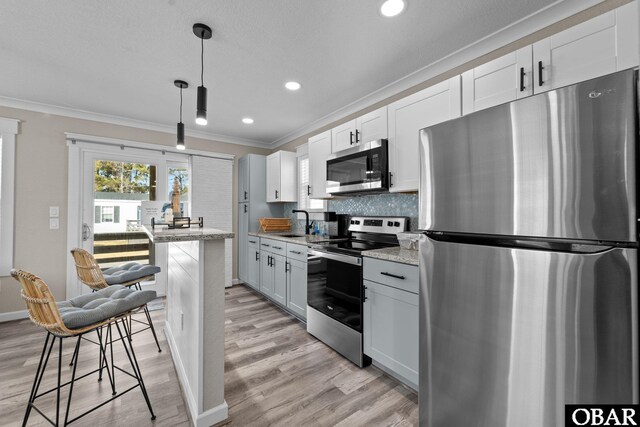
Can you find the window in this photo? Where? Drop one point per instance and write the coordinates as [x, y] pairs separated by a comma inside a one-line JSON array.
[[8, 131], [107, 214], [304, 202]]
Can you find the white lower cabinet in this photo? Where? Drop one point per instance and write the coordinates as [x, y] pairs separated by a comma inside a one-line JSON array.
[[279, 278], [253, 263], [280, 271], [297, 287], [267, 276], [391, 323]]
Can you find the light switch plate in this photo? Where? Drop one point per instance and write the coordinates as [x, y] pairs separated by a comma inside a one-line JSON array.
[[54, 211], [54, 223]]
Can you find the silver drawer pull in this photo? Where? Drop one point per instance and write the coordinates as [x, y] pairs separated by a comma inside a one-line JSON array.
[[277, 247], [252, 241], [296, 252], [264, 244], [384, 273]]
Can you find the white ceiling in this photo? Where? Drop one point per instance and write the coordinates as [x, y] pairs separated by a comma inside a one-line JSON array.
[[120, 58]]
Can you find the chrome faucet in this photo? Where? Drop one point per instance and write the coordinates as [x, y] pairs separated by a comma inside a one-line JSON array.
[[307, 226]]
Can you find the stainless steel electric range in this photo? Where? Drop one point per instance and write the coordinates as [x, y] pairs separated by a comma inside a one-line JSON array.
[[335, 291]]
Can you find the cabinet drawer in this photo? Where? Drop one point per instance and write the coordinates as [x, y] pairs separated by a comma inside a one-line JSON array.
[[273, 246], [253, 242], [400, 276], [297, 252]]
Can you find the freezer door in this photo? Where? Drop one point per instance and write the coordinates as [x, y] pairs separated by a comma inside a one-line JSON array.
[[559, 164], [509, 336]]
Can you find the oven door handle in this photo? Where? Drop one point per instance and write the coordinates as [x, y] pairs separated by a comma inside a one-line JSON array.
[[335, 257]]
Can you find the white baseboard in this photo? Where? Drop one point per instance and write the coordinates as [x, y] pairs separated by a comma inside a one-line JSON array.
[[236, 282], [13, 315], [213, 415], [207, 418]]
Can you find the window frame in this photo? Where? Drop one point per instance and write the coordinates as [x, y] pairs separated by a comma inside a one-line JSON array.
[[8, 131]]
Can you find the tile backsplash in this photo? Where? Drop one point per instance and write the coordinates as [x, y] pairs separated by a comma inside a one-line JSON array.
[[374, 205]]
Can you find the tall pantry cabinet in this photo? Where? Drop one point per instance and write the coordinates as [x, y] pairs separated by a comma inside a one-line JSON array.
[[252, 205]]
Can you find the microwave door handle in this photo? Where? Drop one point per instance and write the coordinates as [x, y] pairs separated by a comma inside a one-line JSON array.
[[368, 173]]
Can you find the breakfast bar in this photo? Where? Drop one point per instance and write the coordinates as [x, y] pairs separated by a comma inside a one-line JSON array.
[[195, 316]]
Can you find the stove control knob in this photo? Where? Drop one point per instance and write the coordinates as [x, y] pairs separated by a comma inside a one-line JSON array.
[[397, 224], [353, 222], [390, 223], [357, 222]]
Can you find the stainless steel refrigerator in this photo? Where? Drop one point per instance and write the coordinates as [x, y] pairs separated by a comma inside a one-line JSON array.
[[529, 259]]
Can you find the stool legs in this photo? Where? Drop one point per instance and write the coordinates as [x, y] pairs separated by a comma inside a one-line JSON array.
[[146, 312], [153, 330], [104, 364], [39, 373], [73, 380], [134, 364]]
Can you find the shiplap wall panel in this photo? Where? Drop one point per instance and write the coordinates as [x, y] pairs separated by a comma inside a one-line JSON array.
[[211, 198]]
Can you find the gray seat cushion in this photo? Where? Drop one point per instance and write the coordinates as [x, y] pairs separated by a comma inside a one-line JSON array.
[[127, 272], [93, 308]]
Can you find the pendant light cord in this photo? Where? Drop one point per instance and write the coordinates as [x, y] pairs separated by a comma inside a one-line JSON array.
[[180, 104], [202, 61]]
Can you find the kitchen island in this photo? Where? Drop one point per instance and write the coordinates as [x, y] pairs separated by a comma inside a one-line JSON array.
[[195, 316]]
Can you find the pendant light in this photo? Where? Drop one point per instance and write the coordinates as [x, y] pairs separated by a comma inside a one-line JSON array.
[[203, 32], [180, 131]]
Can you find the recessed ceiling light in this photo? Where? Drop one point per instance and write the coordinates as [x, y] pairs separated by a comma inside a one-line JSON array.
[[292, 85], [247, 120], [392, 8]]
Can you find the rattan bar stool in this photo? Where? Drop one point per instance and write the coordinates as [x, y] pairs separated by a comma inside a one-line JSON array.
[[75, 318], [129, 274]]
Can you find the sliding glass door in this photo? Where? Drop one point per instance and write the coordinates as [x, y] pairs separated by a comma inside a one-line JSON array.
[[115, 187]]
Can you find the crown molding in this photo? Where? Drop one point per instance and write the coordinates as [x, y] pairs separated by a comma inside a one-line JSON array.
[[122, 121], [526, 26]]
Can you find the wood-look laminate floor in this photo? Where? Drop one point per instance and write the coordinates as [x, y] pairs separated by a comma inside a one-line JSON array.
[[275, 375]]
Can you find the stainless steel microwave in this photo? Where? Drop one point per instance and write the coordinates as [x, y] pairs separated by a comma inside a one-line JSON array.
[[360, 169]]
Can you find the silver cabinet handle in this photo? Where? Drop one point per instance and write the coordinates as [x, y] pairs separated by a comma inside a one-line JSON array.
[[277, 247], [295, 252], [252, 241], [264, 244]]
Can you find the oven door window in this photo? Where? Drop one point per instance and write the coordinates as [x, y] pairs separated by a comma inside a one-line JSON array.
[[335, 289], [348, 171]]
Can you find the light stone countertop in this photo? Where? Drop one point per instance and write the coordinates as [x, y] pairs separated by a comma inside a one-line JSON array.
[[161, 234], [299, 239], [396, 254]]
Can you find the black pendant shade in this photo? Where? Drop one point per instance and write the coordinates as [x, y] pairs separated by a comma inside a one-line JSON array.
[[201, 110], [203, 32], [180, 127]]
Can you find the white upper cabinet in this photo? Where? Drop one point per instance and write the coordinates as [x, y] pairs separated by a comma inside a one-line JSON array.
[[319, 150], [602, 45], [243, 179], [282, 177], [372, 126], [407, 116], [343, 136], [504, 79], [368, 127]]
